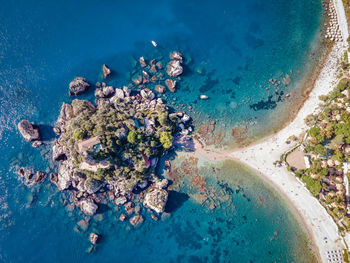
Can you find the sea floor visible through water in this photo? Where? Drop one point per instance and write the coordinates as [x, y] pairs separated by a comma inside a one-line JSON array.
[[231, 48]]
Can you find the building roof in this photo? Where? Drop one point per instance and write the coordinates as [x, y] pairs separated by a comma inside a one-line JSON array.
[[86, 144]]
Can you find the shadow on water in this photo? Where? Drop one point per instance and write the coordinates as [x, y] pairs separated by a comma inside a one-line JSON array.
[[175, 201], [209, 82], [102, 208], [268, 104], [46, 132]]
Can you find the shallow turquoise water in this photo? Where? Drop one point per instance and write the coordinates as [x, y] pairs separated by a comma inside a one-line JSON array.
[[238, 45]]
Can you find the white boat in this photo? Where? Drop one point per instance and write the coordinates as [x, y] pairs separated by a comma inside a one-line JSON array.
[[154, 43], [204, 97]]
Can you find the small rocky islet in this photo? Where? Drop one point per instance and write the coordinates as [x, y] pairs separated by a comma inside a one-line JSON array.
[[111, 149]]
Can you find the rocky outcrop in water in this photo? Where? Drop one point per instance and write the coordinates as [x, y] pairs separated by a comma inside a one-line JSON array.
[[88, 206], [156, 197], [136, 220], [170, 83], [174, 68], [111, 150], [160, 89], [104, 92], [28, 131], [78, 86], [175, 55], [106, 71], [93, 238]]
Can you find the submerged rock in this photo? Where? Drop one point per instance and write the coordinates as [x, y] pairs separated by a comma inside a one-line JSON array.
[[160, 89], [174, 68], [83, 224], [27, 130], [78, 86], [106, 71], [36, 144], [122, 217], [136, 220], [170, 83]]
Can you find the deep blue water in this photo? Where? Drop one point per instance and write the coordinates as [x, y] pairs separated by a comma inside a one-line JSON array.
[[237, 45]]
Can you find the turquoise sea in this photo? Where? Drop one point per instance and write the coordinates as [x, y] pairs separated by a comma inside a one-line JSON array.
[[231, 49]]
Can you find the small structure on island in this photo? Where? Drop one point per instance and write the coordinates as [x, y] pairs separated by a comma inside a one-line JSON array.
[[87, 144], [93, 166]]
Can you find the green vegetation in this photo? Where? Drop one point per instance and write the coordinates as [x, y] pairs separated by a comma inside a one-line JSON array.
[[328, 146], [314, 186], [127, 137], [166, 139], [79, 134], [132, 137], [346, 256]]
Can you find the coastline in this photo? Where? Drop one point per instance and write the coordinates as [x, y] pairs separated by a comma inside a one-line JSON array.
[[319, 223], [262, 153]]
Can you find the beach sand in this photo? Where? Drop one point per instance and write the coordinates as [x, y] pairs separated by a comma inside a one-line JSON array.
[[261, 155]]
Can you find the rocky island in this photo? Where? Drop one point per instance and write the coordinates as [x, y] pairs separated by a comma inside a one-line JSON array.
[[111, 148], [114, 146]]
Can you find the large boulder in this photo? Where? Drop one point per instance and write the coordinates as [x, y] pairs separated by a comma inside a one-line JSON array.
[[27, 130], [161, 184], [88, 207], [156, 199], [66, 114], [123, 186], [77, 86], [93, 238], [147, 94], [104, 92], [79, 106], [174, 68], [92, 185], [119, 93], [58, 151], [120, 200], [64, 177]]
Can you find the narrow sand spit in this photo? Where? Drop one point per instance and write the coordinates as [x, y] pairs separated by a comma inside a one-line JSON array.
[[263, 154]]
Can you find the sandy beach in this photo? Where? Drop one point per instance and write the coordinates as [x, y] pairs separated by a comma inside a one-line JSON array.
[[261, 155]]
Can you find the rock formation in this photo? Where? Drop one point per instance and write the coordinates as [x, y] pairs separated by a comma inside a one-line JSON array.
[[78, 86], [27, 130]]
